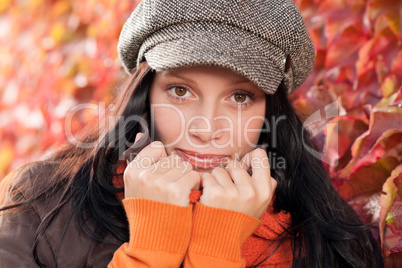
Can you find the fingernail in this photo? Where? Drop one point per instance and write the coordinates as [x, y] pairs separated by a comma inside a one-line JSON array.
[[138, 136], [134, 149]]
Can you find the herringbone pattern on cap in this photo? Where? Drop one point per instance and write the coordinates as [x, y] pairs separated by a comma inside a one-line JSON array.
[[252, 38]]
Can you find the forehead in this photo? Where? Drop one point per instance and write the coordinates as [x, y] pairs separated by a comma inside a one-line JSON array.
[[193, 74]]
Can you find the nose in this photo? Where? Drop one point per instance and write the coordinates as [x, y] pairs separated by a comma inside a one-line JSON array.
[[206, 124]]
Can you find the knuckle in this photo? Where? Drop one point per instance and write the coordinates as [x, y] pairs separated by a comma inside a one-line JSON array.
[[241, 173], [128, 173], [217, 193], [174, 191], [194, 175], [145, 176], [217, 170], [232, 194], [160, 186], [260, 152], [156, 144], [237, 165], [248, 194], [265, 196], [274, 183]]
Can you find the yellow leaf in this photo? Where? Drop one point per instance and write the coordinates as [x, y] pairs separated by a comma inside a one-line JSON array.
[[389, 86], [57, 33], [4, 4], [386, 200]]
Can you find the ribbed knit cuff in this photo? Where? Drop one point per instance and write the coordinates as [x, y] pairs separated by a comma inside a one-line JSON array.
[[158, 226], [220, 233]]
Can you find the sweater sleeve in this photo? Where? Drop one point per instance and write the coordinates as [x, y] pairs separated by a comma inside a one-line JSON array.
[[217, 236], [159, 234]]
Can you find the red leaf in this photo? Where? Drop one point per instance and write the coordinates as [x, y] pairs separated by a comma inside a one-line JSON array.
[[366, 180], [340, 136], [343, 50], [341, 14], [396, 66], [380, 121], [398, 99]]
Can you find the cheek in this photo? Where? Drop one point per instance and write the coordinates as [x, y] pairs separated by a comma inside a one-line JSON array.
[[251, 132], [167, 122], [251, 127]]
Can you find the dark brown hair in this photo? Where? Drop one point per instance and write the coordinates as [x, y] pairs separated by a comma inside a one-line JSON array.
[[326, 231]]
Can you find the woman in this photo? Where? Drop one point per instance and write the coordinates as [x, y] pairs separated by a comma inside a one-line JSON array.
[[207, 79]]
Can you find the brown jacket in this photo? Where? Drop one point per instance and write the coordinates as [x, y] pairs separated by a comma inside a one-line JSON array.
[[64, 244], [17, 231]]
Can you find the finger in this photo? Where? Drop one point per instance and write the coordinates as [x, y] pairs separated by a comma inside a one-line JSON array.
[[129, 154], [148, 156], [173, 167], [246, 163], [258, 161], [141, 140], [208, 181], [238, 173], [222, 177], [190, 180], [166, 163]]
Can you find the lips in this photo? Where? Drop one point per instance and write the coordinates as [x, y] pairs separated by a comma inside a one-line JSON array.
[[203, 161]]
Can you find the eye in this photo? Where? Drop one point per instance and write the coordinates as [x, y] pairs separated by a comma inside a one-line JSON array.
[[179, 91], [240, 97]]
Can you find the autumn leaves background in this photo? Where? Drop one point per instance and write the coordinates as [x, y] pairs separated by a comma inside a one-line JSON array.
[[56, 54]]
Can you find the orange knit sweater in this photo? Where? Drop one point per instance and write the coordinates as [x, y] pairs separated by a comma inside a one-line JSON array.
[[166, 235]]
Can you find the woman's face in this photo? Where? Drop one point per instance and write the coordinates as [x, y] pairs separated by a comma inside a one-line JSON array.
[[206, 115]]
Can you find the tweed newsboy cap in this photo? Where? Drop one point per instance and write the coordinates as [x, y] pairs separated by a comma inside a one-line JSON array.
[[265, 41]]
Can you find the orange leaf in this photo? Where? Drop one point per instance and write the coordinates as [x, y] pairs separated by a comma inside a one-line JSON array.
[[6, 157]]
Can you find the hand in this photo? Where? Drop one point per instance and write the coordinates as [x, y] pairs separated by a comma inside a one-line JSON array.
[[154, 175], [234, 189]]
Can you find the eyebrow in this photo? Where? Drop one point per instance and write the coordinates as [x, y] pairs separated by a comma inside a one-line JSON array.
[[181, 77], [192, 81], [239, 82]]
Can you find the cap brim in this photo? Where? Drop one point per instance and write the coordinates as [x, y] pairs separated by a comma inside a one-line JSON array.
[[216, 45]]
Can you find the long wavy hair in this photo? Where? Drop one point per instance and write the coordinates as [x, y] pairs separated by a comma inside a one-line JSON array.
[[325, 231]]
